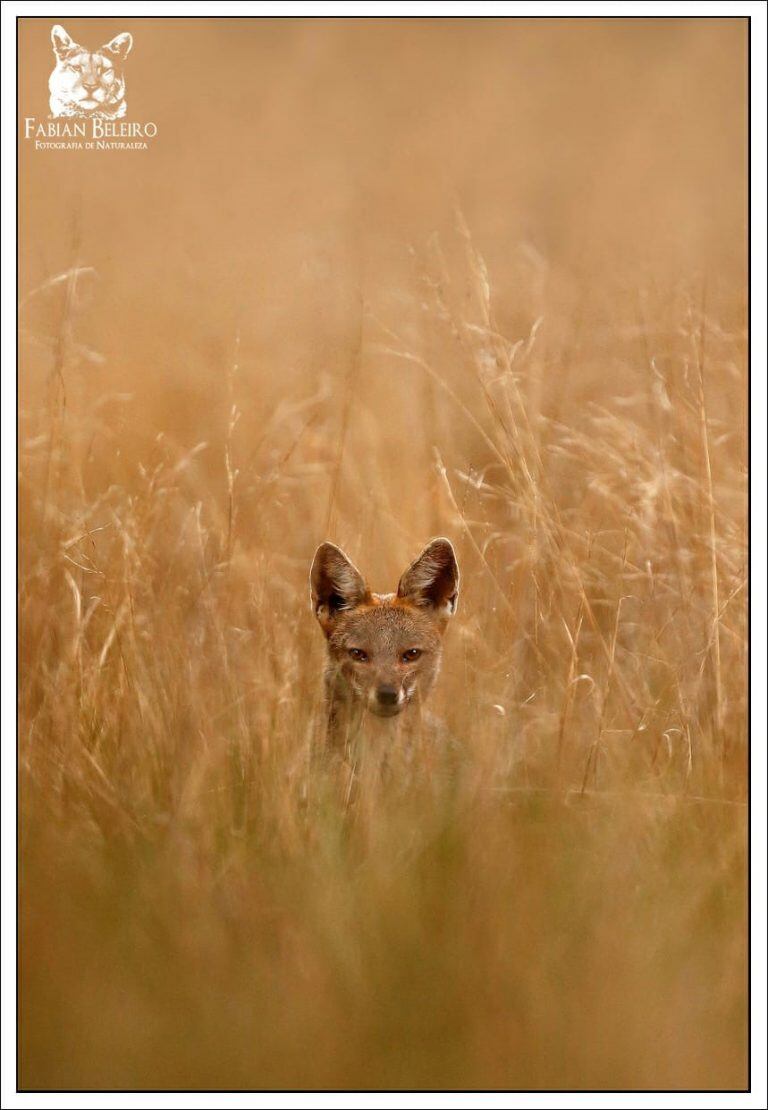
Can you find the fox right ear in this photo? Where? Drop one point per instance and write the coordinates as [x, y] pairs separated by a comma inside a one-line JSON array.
[[336, 585], [62, 43], [432, 581]]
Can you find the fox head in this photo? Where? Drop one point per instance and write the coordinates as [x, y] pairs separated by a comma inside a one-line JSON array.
[[384, 649]]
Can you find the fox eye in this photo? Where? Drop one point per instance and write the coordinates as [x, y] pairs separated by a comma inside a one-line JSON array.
[[411, 655], [358, 655]]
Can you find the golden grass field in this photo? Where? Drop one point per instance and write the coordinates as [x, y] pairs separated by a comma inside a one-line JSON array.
[[376, 281]]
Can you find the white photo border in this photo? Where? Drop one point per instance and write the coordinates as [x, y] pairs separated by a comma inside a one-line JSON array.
[[756, 12]]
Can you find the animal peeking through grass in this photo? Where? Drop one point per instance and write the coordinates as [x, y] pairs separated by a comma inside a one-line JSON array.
[[384, 650]]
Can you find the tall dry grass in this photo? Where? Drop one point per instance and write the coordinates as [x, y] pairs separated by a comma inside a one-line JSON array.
[[562, 903]]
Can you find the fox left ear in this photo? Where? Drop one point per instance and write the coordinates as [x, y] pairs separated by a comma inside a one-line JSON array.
[[432, 580], [336, 585], [120, 45]]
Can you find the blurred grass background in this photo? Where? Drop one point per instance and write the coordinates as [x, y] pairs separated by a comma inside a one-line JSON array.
[[373, 281]]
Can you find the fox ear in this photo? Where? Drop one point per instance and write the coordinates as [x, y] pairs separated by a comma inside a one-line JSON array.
[[336, 585], [120, 45], [432, 580], [62, 43]]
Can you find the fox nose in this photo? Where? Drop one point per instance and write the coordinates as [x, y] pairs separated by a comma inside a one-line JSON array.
[[387, 695]]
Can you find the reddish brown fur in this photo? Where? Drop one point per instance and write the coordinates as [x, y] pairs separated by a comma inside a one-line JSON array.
[[384, 650]]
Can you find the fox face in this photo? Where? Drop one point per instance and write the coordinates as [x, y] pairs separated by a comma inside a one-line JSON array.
[[383, 649]]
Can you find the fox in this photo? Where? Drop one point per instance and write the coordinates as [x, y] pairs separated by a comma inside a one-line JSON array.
[[383, 650]]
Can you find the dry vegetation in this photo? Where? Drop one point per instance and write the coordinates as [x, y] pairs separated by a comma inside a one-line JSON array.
[[273, 328]]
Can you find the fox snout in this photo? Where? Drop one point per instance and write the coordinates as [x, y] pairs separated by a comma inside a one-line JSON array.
[[383, 649], [388, 695], [386, 700]]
